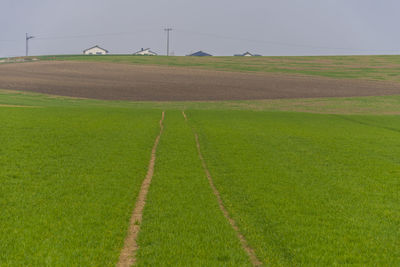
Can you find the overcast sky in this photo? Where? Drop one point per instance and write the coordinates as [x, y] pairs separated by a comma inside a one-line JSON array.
[[219, 27]]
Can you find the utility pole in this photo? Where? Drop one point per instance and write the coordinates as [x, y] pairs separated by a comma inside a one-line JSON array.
[[27, 38], [168, 30]]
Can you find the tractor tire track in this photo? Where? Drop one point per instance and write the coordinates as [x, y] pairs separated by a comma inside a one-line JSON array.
[[250, 251], [128, 253]]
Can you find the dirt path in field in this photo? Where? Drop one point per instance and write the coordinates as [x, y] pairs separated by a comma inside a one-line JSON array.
[[112, 81], [128, 254], [250, 252]]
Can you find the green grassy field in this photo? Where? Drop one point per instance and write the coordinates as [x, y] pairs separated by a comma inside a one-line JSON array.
[[378, 105], [68, 181], [305, 188], [182, 223], [308, 189], [385, 68]]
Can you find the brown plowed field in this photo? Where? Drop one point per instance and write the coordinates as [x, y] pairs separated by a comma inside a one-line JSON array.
[[156, 83]]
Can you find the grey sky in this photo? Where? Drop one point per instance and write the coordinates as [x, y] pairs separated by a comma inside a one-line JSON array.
[[220, 27]]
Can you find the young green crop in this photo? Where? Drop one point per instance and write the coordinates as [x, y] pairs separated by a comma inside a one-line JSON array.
[[68, 182], [182, 223], [308, 189], [304, 189], [351, 67], [388, 105]]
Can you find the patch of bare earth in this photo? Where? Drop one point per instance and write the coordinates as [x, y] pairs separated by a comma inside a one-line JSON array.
[[128, 254], [250, 252], [16, 106], [112, 81]]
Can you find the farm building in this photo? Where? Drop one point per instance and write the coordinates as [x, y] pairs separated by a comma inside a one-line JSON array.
[[247, 54], [95, 50], [200, 54], [145, 52]]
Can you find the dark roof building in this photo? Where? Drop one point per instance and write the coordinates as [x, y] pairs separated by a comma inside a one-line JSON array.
[[200, 54]]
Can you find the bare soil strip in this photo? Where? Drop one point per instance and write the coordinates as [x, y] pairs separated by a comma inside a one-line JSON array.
[[250, 252], [16, 106], [112, 81], [128, 254]]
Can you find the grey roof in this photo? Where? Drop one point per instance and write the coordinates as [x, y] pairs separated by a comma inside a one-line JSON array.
[[96, 46], [200, 54]]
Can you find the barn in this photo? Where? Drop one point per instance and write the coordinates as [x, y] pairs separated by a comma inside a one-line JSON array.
[[145, 52], [95, 50], [200, 54]]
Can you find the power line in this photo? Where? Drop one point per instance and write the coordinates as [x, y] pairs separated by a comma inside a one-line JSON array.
[[44, 37], [10, 41], [211, 35], [285, 44]]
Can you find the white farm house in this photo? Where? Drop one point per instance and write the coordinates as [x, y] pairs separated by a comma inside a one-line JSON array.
[[95, 50], [145, 52]]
